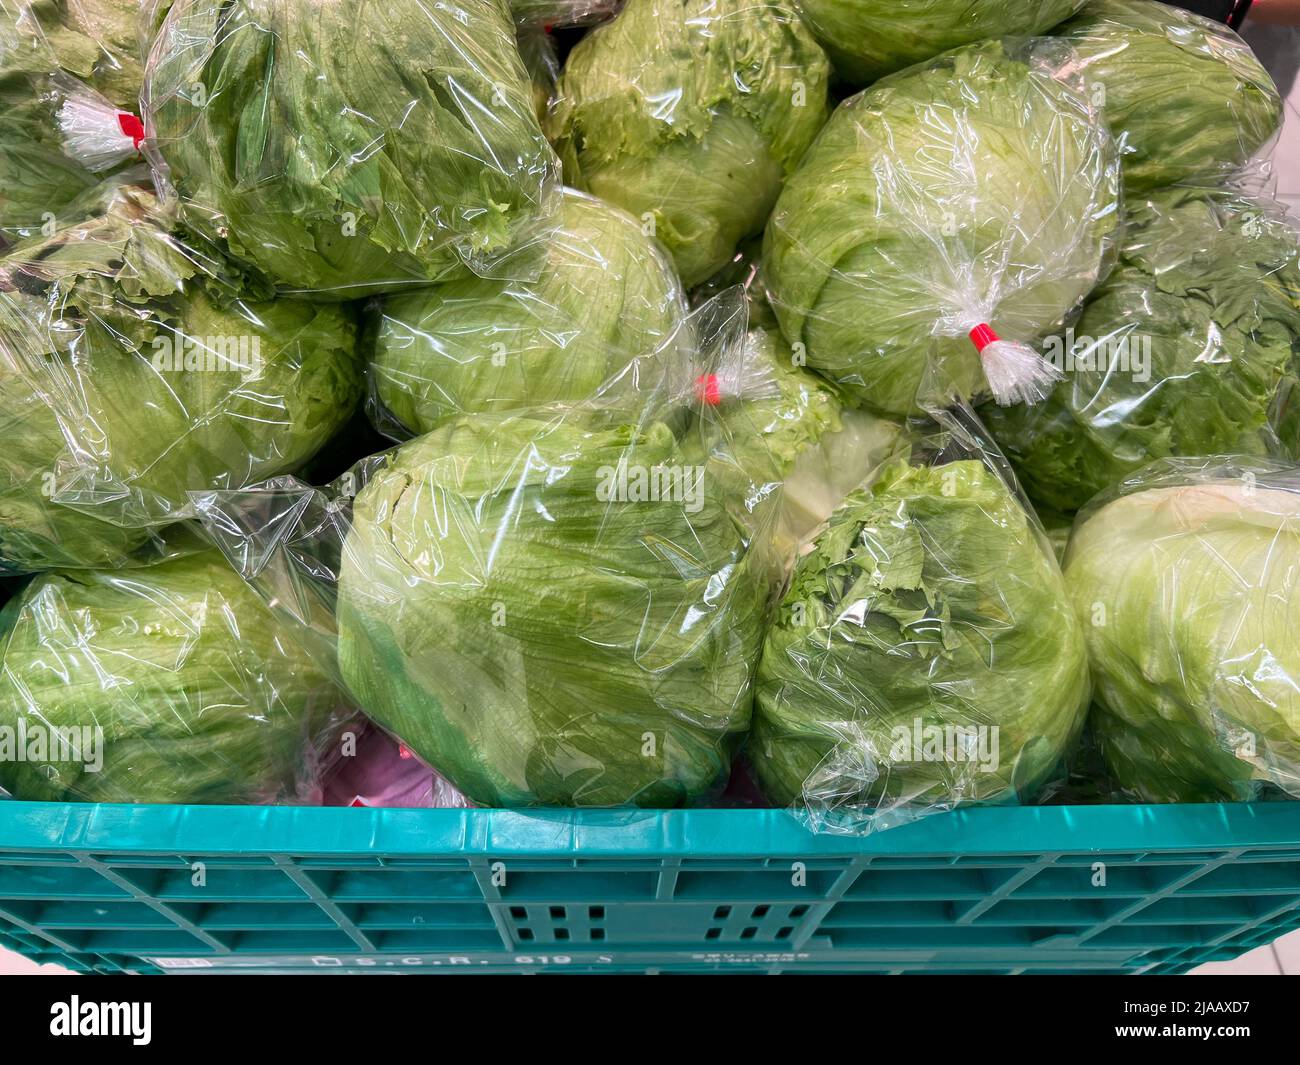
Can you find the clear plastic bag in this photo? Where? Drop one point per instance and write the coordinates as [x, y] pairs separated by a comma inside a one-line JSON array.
[[867, 39], [542, 61], [133, 370], [974, 196], [604, 320], [1188, 348], [165, 684], [1184, 95], [690, 115], [1185, 577], [548, 608], [349, 148], [926, 654], [62, 64], [381, 772]]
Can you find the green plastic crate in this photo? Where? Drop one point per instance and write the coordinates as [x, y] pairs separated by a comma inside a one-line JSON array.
[[1104, 889]]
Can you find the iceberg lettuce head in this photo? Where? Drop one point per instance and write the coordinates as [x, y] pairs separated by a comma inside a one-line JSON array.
[[690, 115], [132, 374], [604, 321], [1188, 348], [346, 147], [165, 684], [551, 614], [926, 654], [980, 189], [1185, 95], [1187, 589], [867, 39]]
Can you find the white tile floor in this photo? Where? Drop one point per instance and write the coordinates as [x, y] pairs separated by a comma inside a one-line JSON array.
[[1279, 47]]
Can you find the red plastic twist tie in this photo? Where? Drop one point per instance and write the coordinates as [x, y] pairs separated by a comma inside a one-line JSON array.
[[982, 336], [131, 127], [706, 387]]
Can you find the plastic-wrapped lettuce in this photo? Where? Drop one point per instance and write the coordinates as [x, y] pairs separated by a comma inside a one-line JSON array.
[[974, 195], [167, 684], [792, 440], [605, 319], [1185, 95], [346, 147], [926, 653], [551, 614], [690, 115], [1188, 348], [53, 53], [1187, 586], [867, 39], [132, 374]]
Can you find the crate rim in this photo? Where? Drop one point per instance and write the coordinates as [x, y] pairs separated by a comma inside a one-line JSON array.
[[34, 828]]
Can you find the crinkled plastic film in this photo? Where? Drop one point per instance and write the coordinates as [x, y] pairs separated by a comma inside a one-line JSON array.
[[557, 13], [690, 115], [943, 221], [1185, 578], [171, 683], [1188, 348], [550, 607], [604, 321], [62, 65], [1185, 95], [348, 148], [926, 654], [136, 368], [867, 39]]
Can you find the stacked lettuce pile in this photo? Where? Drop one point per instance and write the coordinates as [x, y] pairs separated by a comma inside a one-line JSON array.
[[679, 341]]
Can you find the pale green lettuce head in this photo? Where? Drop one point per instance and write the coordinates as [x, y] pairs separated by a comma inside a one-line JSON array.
[[979, 188], [1185, 95], [130, 376], [1188, 348], [931, 602], [1187, 589], [537, 634], [867, 39], [200, 695], [691, 114], [346, 148], [605, 320]]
